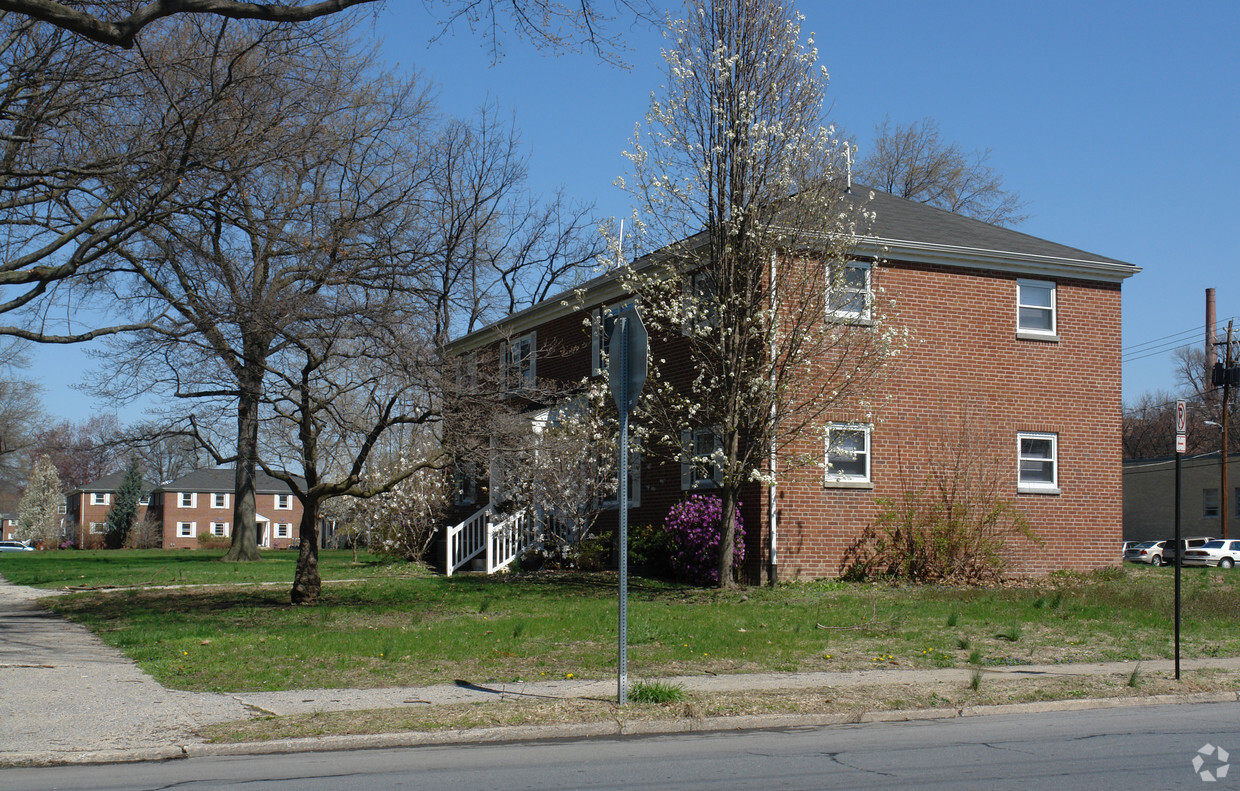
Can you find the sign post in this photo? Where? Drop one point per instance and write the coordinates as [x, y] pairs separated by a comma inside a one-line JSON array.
[[626, 369], [1181, 426]]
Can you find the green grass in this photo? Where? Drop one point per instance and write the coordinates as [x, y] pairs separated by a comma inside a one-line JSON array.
[[402, 625], [656, 692], [127, 568]]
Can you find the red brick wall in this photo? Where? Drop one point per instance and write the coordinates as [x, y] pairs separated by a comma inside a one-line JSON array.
[[964, 364]]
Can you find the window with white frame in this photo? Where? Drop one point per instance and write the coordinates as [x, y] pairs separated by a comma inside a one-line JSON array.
[[518, 363], [1035, 308], [699, 465], [99, 498], [1038, 460], [185, 529], [62, 509], [219, 529], [144, 500], [600, 335], [283, 530], [635, 484], [850, 293], [187, 500], [97, 527], [848, 454], [219, 500], [284, 502], [701, 301], [1209, 503]]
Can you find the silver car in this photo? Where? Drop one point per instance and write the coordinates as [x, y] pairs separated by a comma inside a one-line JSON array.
[[1218, 552], [15, 546]]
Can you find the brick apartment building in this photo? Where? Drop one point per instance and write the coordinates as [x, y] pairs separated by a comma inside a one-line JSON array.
[[202, 502], [1014, 336], [86, 509]]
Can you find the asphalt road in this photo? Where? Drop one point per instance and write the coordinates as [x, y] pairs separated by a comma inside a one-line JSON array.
[[1140, 748]]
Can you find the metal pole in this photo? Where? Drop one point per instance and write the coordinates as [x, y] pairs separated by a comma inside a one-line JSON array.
[[1178, 457], [1222, 495], [622, 685]]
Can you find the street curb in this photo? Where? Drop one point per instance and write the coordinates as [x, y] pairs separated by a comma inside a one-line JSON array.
[[536, 733]]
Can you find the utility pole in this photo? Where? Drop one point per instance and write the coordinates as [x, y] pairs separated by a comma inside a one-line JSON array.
[[1228, 368]]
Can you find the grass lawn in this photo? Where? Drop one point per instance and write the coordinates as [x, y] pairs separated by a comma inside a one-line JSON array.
[[129, 568], [401, 625]]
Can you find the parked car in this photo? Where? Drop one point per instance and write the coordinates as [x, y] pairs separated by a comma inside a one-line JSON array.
[[1187, 544], [15, 546], [1146, 552], [1218, 552]]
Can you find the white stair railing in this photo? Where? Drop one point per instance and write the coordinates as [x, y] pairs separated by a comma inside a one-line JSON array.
[[468, 539]]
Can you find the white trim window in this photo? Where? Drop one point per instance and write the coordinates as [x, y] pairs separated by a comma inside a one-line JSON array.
[[1038, 463], [284, 530], [635, 484], [600, 334], [144, 500], [284, 502], [187, 500], [100, 498], [96, 528], [850, 293], [699, 466], [186, 529], [219, 529], [219, 500], [518, 363], [847, 454], [1036, 313], [699, 302]]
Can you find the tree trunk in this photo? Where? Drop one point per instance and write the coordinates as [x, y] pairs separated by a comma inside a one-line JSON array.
[[727, 535], [244, 545], [306, 581]]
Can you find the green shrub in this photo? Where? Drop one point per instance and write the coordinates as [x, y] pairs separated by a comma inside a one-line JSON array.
[[656, 692]]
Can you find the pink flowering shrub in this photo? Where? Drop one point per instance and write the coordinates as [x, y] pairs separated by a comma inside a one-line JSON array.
[[694, 528]]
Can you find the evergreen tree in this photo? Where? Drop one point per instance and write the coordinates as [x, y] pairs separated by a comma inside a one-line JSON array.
[[38, 512], [124, 510]]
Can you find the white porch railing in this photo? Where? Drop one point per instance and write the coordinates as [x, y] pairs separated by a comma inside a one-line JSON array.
[[500, 541]]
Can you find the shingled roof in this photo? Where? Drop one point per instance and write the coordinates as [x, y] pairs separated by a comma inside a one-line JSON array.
[[223, 479]]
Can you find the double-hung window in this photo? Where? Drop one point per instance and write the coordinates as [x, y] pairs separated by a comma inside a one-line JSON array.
[[850, 295], [1209, 503], [848, 454], [284, 502], [219, 500], [1036, 310], [99, 498], [187, 500], [185, 529], [219, 529], [699, 462], [1038, 463], [518, 364], [283, 530]]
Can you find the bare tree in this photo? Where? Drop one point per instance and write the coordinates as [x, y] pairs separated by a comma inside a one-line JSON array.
[[913, 162], [778, 332], [82, 451], [1149, 426], [21, 418], [311, 208], [338, 393], [109, 22]]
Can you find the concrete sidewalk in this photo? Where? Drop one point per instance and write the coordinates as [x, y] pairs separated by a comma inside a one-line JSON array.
[[65, 697]]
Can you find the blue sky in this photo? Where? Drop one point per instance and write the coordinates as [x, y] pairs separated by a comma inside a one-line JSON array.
[[1115, 121]]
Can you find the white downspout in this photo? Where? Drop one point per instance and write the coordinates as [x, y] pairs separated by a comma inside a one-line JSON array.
[[771, 513]]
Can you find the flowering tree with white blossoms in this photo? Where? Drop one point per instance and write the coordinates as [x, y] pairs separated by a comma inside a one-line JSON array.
[[739, 188], [38, 512], [565, 468]]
